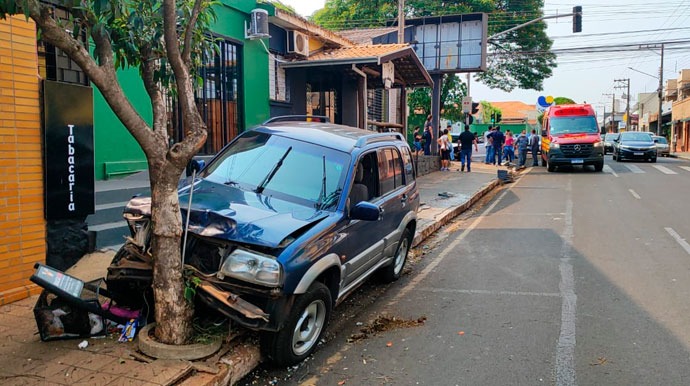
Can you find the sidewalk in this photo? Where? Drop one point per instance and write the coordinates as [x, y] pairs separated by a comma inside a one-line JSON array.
[[28, 361]]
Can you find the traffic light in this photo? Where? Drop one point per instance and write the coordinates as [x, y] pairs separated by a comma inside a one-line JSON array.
[[498, 117], [577, 19], [493, 117], [475, 107]]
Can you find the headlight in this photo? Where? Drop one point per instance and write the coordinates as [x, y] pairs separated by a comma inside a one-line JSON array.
[[598, 144], [252, 267], [554, 145]]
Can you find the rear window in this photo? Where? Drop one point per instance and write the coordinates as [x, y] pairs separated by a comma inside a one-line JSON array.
[[571, 125], [661, 140]]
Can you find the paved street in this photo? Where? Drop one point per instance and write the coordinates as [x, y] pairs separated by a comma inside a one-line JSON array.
[[565, 278]]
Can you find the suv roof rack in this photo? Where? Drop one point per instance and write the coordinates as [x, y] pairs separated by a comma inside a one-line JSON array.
[[377, 137], [301, 118]]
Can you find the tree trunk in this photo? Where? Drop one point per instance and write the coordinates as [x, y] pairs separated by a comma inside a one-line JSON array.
[[173, 313]]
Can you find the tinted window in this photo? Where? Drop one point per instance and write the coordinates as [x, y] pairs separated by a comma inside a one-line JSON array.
[[390, 170], [661, 140], [249, 161], [409, 166], [565, 125]]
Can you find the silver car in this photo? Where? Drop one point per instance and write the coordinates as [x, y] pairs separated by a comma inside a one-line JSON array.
[[662, 149]]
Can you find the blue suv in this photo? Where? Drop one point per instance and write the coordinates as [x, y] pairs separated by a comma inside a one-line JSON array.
[[290, 218]]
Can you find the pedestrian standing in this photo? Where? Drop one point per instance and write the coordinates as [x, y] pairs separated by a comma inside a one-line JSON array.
[[497, 144], [534, 144], [449, 128], [467, 140], [427, 137], [417, 141], [488, 146], [508, 150], [443, 146], [521, 143]]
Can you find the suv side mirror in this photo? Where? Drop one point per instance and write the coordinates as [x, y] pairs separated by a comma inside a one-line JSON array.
[[365, 211], [195, 165]]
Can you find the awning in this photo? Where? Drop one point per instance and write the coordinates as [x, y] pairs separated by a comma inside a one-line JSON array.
[[408, 69]]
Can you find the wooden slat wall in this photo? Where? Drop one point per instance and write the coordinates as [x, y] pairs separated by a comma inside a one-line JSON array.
[[22, 226]]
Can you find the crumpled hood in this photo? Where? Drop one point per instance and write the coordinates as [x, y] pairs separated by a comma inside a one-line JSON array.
[[234, 214]]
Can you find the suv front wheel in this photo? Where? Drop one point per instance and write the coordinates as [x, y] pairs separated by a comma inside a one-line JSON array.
[[305, 325]]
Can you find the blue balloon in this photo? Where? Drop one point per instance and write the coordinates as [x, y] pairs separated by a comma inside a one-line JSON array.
[[541, 101]]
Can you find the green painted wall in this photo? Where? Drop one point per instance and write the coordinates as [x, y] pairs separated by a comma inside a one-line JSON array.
[[115, 147], [113, 143], [254, 91]]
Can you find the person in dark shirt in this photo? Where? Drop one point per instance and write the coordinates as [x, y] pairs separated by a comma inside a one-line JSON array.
[[498, 140], [467, 140]]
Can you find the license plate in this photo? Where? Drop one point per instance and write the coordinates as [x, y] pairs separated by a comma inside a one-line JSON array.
[[638, 153], [576, 161]]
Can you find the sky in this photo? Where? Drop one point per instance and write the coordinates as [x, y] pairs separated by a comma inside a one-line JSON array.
[[589, 77]]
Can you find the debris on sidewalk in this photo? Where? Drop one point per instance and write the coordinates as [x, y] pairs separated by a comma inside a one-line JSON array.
[[446, 194]]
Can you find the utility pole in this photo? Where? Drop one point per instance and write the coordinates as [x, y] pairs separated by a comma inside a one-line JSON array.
[[613, 111], [661, 91], [627, 103], [401, 21]]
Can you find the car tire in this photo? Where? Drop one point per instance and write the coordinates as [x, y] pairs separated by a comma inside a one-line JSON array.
[[653, 160], [303, 328], [618, 158], [599, 166], [393, 271], [550, 167]]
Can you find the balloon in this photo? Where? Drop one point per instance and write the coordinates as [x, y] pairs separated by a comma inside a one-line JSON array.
[[541, 101], [549, 99]]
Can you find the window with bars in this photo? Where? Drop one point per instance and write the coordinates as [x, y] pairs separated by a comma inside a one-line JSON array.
[[279, 88], [217, 98], [54, 64]]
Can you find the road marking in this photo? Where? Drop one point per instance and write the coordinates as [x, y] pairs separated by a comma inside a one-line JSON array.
[[487, 292], [565, 351], [686, 168], [664, 169], [684, 244], [635, 169], [111, 205], [607, 169], [634, 194]]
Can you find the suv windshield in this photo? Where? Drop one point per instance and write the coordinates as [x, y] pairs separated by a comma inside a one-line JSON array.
[[636, 136], [253, 161], [571, 125], [661, 140], [610, 136]]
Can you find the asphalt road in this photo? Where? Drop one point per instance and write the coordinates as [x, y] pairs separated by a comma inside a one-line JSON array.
[[566, 278]]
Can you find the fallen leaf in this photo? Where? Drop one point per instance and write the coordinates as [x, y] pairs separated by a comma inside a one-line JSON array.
[[341, 383], [389, 344], [461, 332]]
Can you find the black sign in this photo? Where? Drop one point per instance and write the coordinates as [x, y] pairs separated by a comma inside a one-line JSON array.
[[69, 171]]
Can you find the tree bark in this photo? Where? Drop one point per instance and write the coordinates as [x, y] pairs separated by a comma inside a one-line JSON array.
[[173, 313]]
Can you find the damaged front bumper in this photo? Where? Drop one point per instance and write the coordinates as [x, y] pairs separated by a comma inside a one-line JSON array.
[[269, 315]]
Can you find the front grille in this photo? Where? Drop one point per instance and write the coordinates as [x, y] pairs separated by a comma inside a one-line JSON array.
[[206, 256], [578, 150]]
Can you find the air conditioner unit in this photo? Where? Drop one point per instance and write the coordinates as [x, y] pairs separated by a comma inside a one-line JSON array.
[[258, 27], [298, 43]]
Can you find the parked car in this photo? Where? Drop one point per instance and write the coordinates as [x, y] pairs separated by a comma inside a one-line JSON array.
[[662, 148], [634, 145], [608, 142], [289, 219]]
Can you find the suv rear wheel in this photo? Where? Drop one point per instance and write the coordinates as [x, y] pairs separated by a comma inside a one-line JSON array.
[[305, 325], [393, 271]]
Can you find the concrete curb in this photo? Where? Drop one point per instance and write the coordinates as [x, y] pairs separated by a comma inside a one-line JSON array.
[[423, 233]]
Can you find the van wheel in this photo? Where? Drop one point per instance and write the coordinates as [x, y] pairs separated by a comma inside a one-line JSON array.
[[550, 167], [303, 329], [393, 271], [599, 166]]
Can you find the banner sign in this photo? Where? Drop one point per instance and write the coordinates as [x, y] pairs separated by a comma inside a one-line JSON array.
[[68, 150]]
